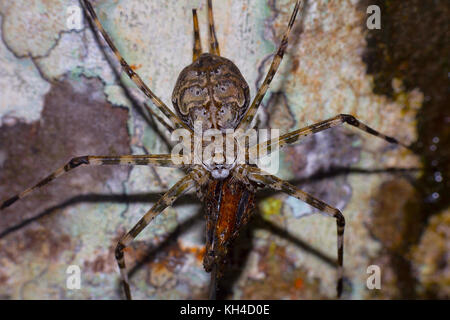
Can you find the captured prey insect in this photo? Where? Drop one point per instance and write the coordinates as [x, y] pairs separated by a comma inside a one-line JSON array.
[[213, 92]]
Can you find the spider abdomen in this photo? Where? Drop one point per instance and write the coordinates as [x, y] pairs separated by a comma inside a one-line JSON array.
[[229, 204], [213, 91]]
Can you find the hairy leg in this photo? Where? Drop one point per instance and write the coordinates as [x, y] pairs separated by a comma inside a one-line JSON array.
[[130, 72], [256, 175], [213, 43], [294, 136], [197, 49], [167, 200], [253, 109], [164, 160]]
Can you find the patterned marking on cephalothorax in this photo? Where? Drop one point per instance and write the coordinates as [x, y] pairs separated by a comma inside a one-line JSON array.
[[211, 90]]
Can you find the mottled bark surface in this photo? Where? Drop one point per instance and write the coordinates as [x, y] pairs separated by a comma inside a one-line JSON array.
[[59, 98]]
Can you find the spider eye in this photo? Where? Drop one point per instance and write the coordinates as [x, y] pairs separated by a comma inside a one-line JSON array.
[[222, 87], [195, 91], [226, 108], [215, 71]]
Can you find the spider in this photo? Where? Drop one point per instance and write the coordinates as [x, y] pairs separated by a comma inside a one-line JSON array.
[[213, 92]]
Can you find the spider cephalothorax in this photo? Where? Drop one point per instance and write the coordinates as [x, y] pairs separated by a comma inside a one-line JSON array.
[[213, 91], [211, 96]]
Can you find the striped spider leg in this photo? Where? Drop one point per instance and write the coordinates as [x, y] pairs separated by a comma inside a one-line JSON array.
[[253, 109], [168, 126], [197, 49], [294, 136], [267, 147], [194, 178], [130, 72], [213, 42], [258, 176], [164, 160]]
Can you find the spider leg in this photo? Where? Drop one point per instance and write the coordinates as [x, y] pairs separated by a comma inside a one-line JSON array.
[[294, 136], [161, 120], [130, 72], [164, 160], [197, 50], [167, 200], [251, 112], [273, 182], [213, 43]]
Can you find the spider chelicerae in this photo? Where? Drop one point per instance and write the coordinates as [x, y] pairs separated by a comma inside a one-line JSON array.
[[211, 91]]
